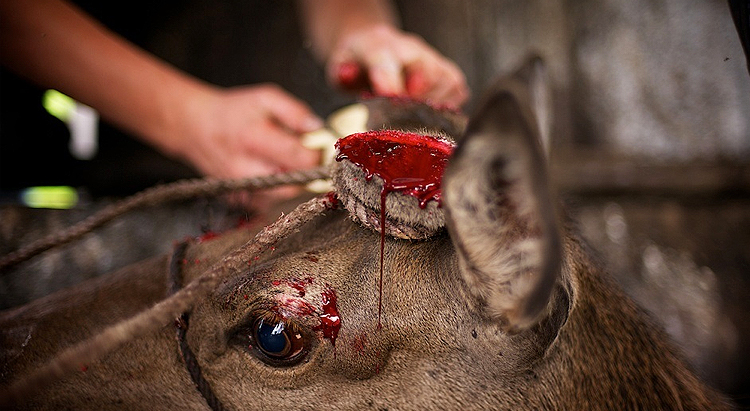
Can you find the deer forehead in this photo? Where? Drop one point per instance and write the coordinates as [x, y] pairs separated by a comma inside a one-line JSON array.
[[291, 282], [335, 254]]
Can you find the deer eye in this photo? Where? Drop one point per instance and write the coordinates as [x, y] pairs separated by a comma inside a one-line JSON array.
[[276, 341]]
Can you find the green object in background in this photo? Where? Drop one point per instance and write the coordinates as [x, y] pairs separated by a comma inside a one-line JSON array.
[[58, 104], [58, 197]]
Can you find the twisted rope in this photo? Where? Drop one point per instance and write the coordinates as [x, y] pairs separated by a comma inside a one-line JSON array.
[[181, 328], [164, 312], [193, 368], [156, 195]]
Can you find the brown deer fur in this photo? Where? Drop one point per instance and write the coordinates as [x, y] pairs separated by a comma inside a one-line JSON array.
[[504, 310]]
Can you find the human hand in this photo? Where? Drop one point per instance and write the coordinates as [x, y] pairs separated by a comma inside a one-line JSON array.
[[244, 132], [387, 61], [248, 131]]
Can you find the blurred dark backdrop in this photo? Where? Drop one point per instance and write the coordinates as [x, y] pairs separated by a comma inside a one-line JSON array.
[[650, 141]]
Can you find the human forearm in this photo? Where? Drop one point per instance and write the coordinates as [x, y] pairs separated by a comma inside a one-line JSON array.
[[56, 45], [326, 22]]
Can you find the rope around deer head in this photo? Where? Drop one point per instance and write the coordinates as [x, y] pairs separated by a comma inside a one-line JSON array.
[[356, 192], [179, 190], [170, 308]]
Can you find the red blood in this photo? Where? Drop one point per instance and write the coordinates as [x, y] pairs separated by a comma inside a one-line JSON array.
[[297, 284], [410, 163], [330, 322], [292, 306], [383, 195], [300, 285], [349, 75], [332, 202], [288, 306], [208, 235]]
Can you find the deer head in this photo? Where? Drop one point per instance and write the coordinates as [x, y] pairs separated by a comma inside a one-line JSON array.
[[499, 309]]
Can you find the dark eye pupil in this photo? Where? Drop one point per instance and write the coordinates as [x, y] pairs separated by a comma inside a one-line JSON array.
[[272, 338], [276, 341]]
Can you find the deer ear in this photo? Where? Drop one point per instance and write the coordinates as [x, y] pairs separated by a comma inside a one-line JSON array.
[[499, 209]]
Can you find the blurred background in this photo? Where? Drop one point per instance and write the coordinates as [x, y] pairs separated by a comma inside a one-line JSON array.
[[650, 143]]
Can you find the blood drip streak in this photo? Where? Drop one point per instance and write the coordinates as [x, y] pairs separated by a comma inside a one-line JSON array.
[[410, 163], [383, 195], [330, 321]]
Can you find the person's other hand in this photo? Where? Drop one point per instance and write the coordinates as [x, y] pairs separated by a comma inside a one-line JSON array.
[[388, 61], [248, 131]]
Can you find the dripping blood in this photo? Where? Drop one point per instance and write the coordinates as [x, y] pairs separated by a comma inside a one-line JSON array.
[[409, 163], [383, 195], [330, 322]]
